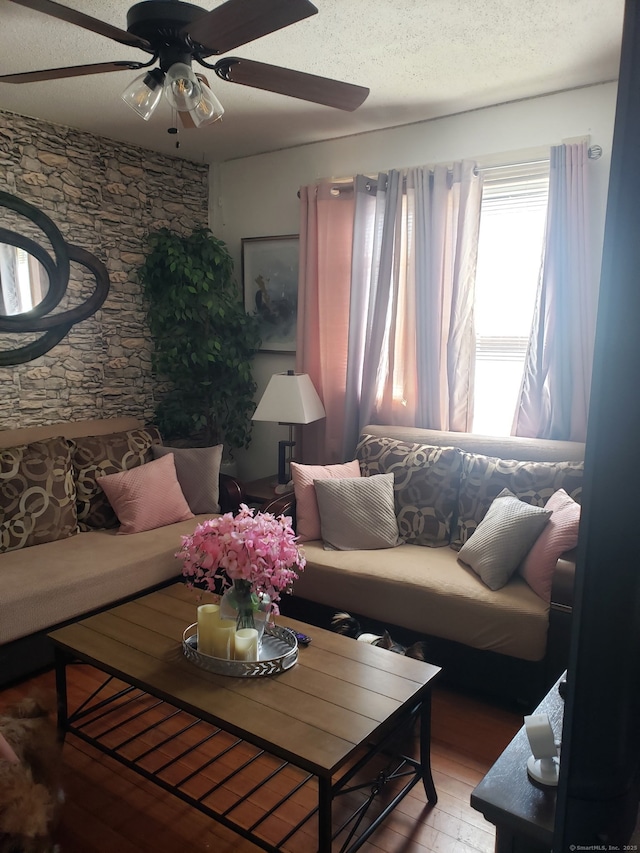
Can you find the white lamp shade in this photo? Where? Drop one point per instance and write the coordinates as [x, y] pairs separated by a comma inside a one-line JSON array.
[[290, 398]]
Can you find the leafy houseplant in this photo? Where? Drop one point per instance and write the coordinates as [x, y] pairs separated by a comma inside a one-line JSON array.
[[204, 340]]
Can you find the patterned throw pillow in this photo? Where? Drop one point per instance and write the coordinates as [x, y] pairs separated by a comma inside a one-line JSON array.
[[147, 496], [559, 535], [37, 494], [503, 537], [198, 470], [304, 477], [98, 455], [484, 477], [426, 485], [357, 513]]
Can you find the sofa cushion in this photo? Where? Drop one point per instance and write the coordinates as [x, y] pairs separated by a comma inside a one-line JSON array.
[[484, 477], [357, 513], [502, 538], [198, 471], [98, 455], [558, 536], [37, 494], [88, 571], [147, 496], [426, 590], [426, 484], [307, 515]]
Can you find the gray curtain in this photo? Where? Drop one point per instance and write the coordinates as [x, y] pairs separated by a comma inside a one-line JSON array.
[[411, 337], [554, 399]]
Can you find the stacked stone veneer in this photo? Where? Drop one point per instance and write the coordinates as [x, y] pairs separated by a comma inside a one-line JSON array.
[[104, 196]]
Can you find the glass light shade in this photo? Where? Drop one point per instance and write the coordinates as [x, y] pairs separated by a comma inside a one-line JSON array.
[[144, 94], [182, 88], [208, 109]]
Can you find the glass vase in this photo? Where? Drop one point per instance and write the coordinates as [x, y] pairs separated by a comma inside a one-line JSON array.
[[248, 608]]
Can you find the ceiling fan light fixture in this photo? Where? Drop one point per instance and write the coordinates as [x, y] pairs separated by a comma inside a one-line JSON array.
[[182, 88], [208, 109], [143, 95]]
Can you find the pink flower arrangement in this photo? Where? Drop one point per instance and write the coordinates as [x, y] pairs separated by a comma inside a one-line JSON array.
[[260, 549]]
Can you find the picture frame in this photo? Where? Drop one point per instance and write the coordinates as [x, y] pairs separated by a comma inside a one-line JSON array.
[[270, 288]]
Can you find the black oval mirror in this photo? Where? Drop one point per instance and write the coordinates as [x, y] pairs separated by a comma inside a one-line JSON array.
[[24, 281], [34, 271]]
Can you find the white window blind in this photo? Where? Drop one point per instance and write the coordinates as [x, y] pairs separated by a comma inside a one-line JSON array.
[[525, 186], [514, 204]]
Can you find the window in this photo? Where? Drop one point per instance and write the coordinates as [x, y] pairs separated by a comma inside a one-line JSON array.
[[510, 249]]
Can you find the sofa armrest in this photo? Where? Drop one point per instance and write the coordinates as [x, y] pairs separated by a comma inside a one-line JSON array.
[[563, 581], [286, 505], [560, 617], [231, 494]]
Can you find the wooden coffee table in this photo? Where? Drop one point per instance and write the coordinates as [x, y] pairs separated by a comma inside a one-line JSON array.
[[281, 760]]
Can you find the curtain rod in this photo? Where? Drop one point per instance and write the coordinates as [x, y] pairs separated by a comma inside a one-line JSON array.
[[594, 152]]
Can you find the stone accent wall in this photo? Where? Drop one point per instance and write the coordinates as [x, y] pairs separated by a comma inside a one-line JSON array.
[[104, 196]]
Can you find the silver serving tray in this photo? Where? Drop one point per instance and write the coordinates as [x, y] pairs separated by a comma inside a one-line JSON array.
[[279, 652]]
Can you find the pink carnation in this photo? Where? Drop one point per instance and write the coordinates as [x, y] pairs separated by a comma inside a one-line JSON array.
[[259, 548]]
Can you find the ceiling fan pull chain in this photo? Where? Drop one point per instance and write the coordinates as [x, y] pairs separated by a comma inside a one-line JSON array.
[[174, 127]]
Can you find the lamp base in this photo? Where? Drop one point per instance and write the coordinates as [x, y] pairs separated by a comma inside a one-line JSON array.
[[545, 771], [284, 459], [284, 488]]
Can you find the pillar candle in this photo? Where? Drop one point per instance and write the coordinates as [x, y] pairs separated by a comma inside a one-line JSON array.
[[246, 644], [208, 618], [223, 637]]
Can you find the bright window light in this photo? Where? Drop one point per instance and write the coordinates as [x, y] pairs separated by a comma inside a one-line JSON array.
[[510, 249]]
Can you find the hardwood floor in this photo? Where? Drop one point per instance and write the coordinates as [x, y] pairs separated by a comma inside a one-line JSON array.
[[109, 808]]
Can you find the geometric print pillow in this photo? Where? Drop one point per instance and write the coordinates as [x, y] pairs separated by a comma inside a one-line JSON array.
[[147, 496], [426, 481], [37, 494], [484, 477], [99, 455], [198, 472], [503, 538]]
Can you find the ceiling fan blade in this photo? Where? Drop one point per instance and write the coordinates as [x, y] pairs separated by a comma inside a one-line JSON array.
[[237, 22], [63, 13], [296, 84], [186, 122], [69, 71]]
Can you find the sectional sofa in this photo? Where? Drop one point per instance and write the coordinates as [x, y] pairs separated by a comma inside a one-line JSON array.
[[512, 639], [73, 559]]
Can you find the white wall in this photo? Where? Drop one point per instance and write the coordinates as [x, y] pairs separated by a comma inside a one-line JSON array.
[[257, 196]]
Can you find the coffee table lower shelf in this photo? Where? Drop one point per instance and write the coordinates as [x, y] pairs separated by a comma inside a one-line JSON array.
[[246, 788]]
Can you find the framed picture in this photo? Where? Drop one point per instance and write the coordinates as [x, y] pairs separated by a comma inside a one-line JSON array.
[[270, 282]]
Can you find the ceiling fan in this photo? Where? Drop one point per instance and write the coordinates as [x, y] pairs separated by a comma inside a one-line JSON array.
[[177, 33]]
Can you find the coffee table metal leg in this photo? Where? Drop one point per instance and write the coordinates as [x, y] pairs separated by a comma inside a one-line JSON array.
[[425, 750], [325, 820], [61, 659]]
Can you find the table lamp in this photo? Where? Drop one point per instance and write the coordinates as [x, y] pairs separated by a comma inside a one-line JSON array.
[[289, 399]]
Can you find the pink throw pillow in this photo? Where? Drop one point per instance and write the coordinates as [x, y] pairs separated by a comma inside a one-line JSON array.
[[307, 513], [146, 497], [559, 535]]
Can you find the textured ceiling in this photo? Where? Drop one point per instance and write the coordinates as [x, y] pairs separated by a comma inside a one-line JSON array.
[[420, 58]]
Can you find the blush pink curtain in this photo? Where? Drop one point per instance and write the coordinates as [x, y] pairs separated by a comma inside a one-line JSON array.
[[413, 277], [385, 306], [326, 237], [554, 399]]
